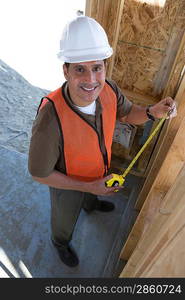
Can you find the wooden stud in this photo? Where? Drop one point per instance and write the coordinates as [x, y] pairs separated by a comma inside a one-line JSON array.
[[88, 8], [175, 75], [173, 83], [156, 187], [165, 227], [172, 127], [117, 11]]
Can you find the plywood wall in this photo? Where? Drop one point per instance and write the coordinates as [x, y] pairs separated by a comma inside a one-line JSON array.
[[149, 36]]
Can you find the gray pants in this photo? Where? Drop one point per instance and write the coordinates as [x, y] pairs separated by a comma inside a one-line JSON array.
[[65, 209]]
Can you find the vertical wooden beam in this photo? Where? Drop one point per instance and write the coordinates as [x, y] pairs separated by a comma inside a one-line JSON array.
[[113, 31], [150, 254], [175, 38], [171, 157], [170, 127], [175, 75], [98, 10], [171, 88], [171, 167], [108, 13], [88, 8]]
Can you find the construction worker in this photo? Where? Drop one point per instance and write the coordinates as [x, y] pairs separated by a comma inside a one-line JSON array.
[[70, 147]]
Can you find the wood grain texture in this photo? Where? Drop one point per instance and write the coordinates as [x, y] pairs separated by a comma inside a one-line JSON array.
[[170, 161], [159, 252]]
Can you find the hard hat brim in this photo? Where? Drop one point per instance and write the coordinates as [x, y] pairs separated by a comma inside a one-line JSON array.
[[99, 54]]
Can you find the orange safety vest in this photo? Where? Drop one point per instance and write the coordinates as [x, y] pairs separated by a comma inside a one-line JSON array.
[[82, 153]]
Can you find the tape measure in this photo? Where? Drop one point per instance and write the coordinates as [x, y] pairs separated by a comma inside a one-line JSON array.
[[118, 180]]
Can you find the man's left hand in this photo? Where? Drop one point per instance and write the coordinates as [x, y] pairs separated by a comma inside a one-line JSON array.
[[166, 106]]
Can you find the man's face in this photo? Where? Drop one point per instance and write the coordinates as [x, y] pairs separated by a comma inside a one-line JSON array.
[[85, 81]]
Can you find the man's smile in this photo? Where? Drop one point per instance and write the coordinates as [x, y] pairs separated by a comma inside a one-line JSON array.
[[89, 89]]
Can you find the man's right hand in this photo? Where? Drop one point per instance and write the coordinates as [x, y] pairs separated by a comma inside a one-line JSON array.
[[98, 187]]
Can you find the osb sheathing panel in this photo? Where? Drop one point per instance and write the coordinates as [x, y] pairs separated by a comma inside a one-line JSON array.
[[146, 23], [145, 33], [135, 67]]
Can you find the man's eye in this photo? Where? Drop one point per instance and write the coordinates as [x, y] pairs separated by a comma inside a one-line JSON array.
[[97, 69], [79, 69]]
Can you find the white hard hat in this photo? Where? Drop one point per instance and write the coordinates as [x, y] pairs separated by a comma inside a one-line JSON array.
[[84, 39]]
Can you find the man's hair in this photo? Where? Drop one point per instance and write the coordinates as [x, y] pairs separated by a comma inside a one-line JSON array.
[[67, 64]]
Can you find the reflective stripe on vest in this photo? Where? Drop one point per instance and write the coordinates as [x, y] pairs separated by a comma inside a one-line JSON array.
[[83, 157]]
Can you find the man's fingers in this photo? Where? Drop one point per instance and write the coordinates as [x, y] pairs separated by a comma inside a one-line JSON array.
[[169, 101], [114, 189], [173, 110], [170, 107], [108, 177], [172, 113]]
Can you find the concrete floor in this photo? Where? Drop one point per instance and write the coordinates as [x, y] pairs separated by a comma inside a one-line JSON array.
[[25, 247]]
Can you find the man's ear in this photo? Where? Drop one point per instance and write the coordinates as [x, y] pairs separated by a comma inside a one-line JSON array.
[[65, 70]]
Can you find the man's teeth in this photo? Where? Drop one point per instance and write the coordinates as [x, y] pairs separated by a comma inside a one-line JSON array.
[[86, 89]]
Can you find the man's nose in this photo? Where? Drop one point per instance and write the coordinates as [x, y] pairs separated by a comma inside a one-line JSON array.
[[89, 76]]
